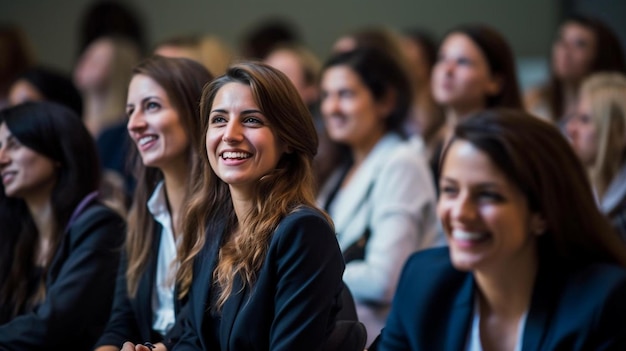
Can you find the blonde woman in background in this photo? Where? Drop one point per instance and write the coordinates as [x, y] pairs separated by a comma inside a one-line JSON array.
[[209, 50], [597, 132]]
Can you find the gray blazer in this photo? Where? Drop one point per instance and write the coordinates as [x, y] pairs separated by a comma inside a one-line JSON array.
[[393, 194]]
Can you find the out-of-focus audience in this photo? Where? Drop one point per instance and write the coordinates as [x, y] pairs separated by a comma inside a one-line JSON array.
[[303, 69], [16, 58], [427, 118], [209, 50], [102, 74], [45, 84]]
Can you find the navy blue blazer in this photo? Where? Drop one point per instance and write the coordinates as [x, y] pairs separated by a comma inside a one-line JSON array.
[[131, 318], [583, 309], [80, 285], [294, 302]]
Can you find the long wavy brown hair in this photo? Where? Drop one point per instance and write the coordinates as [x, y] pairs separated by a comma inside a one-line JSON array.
[[183, 80], [288, 187]]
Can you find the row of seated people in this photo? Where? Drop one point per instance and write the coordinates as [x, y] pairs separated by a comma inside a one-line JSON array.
[[365, 99]]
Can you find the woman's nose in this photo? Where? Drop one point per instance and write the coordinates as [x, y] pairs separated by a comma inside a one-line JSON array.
[[232, 132], [136, 122]]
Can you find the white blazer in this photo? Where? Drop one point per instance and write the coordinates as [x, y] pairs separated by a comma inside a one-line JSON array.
[[400, 212]]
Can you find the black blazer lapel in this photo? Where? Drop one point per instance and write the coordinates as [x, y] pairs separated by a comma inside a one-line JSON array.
[[545, 295], [461, 316], [230, 312], [203, 271]]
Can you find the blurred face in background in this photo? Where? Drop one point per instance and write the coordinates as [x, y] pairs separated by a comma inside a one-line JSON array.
[[95, 65], [420, 67], [23, 91], [573, 52], [352, 116], [288, 63], [583, 132], [461, 78]]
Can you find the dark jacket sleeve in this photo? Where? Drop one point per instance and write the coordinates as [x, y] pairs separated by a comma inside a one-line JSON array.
[[309, 267], [79, 289], [122, 325]]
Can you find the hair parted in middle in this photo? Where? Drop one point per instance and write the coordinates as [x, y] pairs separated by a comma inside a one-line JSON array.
[[183, 80], [535, 156], [288, 187]]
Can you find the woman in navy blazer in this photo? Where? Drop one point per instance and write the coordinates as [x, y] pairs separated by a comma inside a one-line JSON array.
[[59, 246], [164, 122], [267, 268], [531, 265]]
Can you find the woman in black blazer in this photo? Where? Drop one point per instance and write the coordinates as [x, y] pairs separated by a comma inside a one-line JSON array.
[[165, 125], [267, 268], [531, 265], [59, 246]]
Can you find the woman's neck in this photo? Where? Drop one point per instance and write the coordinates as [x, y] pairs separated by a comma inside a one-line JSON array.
[[454, 115], [175, 181], [42, 212], [507, 290], [242, 204], [363, 149], [570, 97]]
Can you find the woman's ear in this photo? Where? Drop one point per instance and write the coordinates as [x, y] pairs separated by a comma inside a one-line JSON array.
[[538, 224]]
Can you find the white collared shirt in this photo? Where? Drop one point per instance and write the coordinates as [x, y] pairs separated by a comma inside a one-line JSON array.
[[164, 316], [473, 342]]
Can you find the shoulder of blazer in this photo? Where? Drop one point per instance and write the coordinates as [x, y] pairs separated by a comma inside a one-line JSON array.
[[92, 218], [295, 227], [432, 270], [304, 214]]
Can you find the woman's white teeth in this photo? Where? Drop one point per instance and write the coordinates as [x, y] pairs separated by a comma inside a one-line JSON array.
[[465, 235], [238, 155], [146, 139]]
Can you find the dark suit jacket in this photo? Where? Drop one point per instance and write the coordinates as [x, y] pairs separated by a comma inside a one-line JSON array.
[[131, 318], [80, 285], [295, 299], [583, 309]]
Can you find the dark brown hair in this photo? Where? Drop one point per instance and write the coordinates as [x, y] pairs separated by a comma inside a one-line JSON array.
[[608, 57], [535, 156], [500, 60]]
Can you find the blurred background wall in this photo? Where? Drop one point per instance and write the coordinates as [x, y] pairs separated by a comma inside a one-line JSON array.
[[529, 25]]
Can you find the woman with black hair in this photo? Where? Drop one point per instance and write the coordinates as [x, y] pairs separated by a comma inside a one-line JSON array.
[[59, 246]]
